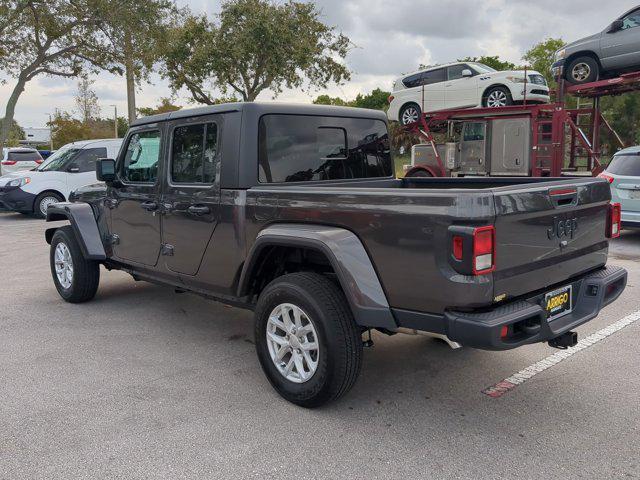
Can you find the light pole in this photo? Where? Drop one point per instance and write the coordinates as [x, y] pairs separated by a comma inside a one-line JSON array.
[[50, 133], [115, 121]]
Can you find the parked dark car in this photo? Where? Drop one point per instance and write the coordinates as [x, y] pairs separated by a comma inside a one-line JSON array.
[[294, 212], [614, 50]]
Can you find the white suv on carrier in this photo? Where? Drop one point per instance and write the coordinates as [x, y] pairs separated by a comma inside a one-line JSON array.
[[462, 85]]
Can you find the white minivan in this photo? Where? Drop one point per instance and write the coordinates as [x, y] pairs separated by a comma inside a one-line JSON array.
[[462, 85], [69, 168]]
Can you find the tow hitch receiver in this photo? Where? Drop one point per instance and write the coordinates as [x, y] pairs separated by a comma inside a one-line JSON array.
[[564, 341]]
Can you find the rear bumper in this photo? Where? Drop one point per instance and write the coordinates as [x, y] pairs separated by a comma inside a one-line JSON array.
[[17, 200], [527, 320], [630, 219]]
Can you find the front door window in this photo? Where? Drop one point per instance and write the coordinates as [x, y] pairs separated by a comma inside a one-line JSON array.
[[141, 158]]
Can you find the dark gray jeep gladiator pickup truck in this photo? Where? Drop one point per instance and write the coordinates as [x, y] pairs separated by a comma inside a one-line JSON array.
[[294, 212]]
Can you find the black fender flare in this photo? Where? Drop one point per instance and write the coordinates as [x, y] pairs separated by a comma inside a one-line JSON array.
[[84, 226], [347, 256]]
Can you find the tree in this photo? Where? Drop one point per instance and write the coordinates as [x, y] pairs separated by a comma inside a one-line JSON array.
[[376, 100], [540, 56], [254, 45], [47, 37], [65, 128], [492, 61], [16, 133], [164, 106], [327, 100], [86, 101], [133, 29]]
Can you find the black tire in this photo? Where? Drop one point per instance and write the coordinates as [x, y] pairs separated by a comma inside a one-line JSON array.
[[339, 338], [85, 273], [412, 111], [420, 173], [582, 70], [38, 203], [502, 96]]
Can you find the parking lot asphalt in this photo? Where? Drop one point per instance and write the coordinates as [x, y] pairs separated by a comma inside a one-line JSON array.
[[145, 383]]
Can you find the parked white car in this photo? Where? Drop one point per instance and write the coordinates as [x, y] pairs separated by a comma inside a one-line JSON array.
[[69, 168], [623, 173], [462, 85], [18, 159]]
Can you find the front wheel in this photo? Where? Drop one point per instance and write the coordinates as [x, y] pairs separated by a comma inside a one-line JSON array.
[[498, 97], [583, 70], [75, 277], [43, 201], [307, 342]]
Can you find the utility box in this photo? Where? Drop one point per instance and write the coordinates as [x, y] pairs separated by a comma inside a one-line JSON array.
[[510, 147]]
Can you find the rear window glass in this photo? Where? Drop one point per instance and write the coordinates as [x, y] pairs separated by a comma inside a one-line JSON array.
[[625, 165], [297, 148], [24, 156]]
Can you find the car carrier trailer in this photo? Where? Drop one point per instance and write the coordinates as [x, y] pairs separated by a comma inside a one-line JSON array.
[[538, 140]]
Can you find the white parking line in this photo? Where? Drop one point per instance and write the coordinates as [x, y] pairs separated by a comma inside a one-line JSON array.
[[522, 376]]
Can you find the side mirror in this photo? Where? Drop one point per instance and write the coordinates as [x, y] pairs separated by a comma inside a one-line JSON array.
[[73, 168], [615, 26], [467, 73], [106, 170]]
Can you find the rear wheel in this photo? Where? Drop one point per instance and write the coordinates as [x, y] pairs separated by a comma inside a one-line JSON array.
[[75, 277], [307, 342], [43, 201], [498, 97], [583, 70], [410, 113], [419, 173]]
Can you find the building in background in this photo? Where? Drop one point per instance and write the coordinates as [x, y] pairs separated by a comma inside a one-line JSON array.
[[36, 137]]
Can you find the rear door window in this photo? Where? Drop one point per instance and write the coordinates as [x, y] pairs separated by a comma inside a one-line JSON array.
[[23, 156], [433, 76], [193, 152], [626, 165], [299, 148]]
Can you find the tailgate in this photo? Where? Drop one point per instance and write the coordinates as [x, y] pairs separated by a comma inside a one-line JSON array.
[[549, 232]]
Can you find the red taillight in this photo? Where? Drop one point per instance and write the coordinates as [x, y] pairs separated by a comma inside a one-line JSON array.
[[390, 99], [614, 224], [504, 331], [458, 243], [39, 161], [608, 178], [484, 250], [9, 162]]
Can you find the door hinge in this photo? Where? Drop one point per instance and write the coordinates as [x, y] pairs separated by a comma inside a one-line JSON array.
[[111, 239], [166, 249]]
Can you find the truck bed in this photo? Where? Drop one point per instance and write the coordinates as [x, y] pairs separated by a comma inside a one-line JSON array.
[[404, 225]]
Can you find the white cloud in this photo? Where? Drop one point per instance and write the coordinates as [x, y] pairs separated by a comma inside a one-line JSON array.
[[392, 37]]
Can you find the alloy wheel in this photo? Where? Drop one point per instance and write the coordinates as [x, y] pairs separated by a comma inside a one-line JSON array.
[[580, 72], [293, 343], [63, 265], [497, 98], [410, 115], [45, 202]]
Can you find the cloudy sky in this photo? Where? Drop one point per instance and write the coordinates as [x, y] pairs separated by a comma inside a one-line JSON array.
[[390, 37]]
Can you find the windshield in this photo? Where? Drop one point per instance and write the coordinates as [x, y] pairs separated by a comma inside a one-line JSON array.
[[482, 68], [58, 159]]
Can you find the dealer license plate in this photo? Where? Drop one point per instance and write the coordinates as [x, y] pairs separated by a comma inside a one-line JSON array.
[[558, 302]]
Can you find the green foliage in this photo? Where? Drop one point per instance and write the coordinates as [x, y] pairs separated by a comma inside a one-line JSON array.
[[623, 114], [16, 133], [492, 61], [252, 46], [164, 106], [376, 100], [65, 128], [327, 100], [540, 56], [48, 37]]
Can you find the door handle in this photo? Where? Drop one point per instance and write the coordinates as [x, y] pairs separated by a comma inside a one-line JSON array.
[[199, 209], [149, 206]]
